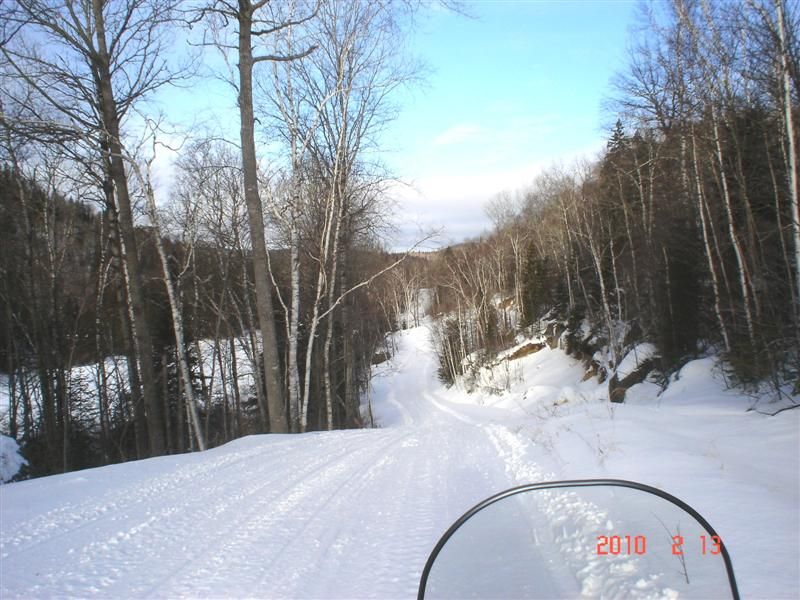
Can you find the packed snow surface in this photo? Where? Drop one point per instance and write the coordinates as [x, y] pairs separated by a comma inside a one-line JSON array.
[[354, 514]]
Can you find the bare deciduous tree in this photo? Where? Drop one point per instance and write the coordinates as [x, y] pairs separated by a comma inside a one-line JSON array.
[[90, 63]]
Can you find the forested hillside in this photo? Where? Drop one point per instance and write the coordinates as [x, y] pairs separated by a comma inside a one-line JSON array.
[[65, 339], [683, 233], [240, 304]]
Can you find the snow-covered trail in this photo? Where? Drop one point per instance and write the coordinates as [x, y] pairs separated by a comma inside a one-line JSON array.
[[354, 514], [343, 514]]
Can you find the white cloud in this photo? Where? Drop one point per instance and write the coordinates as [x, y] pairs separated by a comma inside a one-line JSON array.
[[453, 203], [456, 134]]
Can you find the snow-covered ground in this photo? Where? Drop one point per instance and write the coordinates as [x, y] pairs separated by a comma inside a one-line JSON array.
[[354, 514], [83, 381]]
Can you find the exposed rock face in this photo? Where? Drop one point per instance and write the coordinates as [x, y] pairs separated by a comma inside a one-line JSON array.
[[525, 350], [380, 357], [617, 388], [593, 369], [553, 333]]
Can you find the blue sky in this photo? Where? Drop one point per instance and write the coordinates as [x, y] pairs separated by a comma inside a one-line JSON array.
[[509, 92]]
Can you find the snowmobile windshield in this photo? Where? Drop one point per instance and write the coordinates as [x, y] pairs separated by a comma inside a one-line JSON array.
[[579, 539]]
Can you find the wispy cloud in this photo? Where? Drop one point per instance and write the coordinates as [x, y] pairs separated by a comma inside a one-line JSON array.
[[453, 202], [456, 134]]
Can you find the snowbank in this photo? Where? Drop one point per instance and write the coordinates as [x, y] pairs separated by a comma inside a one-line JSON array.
[[711, 446], [637, 356], [11, 460]]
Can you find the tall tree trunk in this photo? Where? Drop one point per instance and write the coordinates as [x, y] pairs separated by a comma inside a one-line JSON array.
[[266, 318], [165, 392], [334, 278], [704, 226], [141, 332], [12, 376], [102, 376], [787, 261], [329, 233], [181, 418], [226, 430], [258, 373], [237, 397], [351, 399], [175, 311], [294, 327], [327, 368], [790, 135], [567, 255], [634, 267], [615, 275], [127, 326], [737, 246]]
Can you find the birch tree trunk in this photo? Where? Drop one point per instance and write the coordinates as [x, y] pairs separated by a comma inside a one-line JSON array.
[[315, 316], [790, 135], [294, 328], [175, 311], [738, 251], [331, 295], [704, 226]]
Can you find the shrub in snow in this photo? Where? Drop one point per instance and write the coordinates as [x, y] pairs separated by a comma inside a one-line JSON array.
[[11, 460]]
